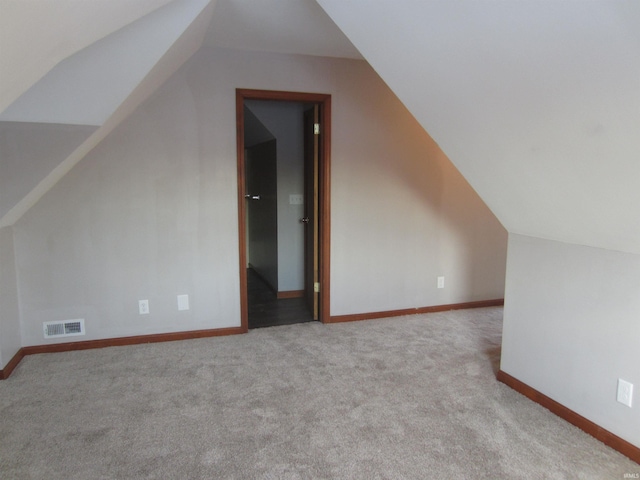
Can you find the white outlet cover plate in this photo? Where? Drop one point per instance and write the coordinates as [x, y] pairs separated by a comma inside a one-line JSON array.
[[143, 307], [625, 392]]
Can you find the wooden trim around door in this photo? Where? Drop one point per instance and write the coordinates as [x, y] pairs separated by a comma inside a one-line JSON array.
[[605, 436], [324, 101]]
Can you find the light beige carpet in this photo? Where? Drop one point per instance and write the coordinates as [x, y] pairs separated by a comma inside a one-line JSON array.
[[412, 397]]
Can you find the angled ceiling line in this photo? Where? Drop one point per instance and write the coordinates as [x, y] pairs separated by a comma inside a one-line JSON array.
[[178, 50]]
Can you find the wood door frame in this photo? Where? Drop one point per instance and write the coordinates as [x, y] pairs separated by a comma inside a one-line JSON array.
[[324, 101]]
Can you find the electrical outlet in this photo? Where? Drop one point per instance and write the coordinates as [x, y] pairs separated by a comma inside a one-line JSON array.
[[143, 307], [440, 282], [625, 392]]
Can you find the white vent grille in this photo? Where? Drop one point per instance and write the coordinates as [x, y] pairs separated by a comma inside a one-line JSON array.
[[66, 328]]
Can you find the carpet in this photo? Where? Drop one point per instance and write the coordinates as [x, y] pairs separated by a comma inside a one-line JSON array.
[[410, 397]]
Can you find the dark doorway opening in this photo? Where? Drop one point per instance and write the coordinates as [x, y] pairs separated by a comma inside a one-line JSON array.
[[265, 309], [283, 222]]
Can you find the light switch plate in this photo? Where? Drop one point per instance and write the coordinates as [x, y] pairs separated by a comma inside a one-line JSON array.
[[296, 199], [183, 302]]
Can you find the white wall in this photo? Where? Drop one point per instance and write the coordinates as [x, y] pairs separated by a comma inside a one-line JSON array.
[[29, 151], [401, 213], [152, 211], [571, 327], [285, 121], [10, 341]]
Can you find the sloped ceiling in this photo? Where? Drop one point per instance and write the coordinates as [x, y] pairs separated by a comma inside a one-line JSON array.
[[81, 67], [117, 73], [87, 87], [37, 34], [281, 26], [536, 102]]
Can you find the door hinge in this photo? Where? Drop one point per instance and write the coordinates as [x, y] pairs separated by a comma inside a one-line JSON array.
[[316, 129], [316, 287]]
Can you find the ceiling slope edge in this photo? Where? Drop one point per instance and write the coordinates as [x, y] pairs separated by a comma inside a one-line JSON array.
[[35, 35], [176, 55], [538, 108], [87, 87]]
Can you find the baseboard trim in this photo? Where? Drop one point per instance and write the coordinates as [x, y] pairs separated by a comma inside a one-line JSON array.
[[291, 294], [411, 311], [115, 342], [13, 363], [175, 336], [605, 436]]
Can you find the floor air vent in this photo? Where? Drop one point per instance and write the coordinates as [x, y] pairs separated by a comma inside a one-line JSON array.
[[66, 328]]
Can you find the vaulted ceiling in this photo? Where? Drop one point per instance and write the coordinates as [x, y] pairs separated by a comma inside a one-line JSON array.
[[79, 68], [282, 26], [536, 102], [87, 86], [37, 35], [69, 104]]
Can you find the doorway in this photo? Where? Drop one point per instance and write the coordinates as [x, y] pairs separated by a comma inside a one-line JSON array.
[[258, 210]]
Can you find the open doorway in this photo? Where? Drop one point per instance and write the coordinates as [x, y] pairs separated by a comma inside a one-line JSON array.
[[283, 206]]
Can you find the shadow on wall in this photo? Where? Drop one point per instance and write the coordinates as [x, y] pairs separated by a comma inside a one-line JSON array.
[[429, 209]]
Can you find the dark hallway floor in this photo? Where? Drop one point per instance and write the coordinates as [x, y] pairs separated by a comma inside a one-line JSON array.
[[266, 310]]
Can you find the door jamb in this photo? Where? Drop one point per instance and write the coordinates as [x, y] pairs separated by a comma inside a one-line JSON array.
[[324, 101]]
